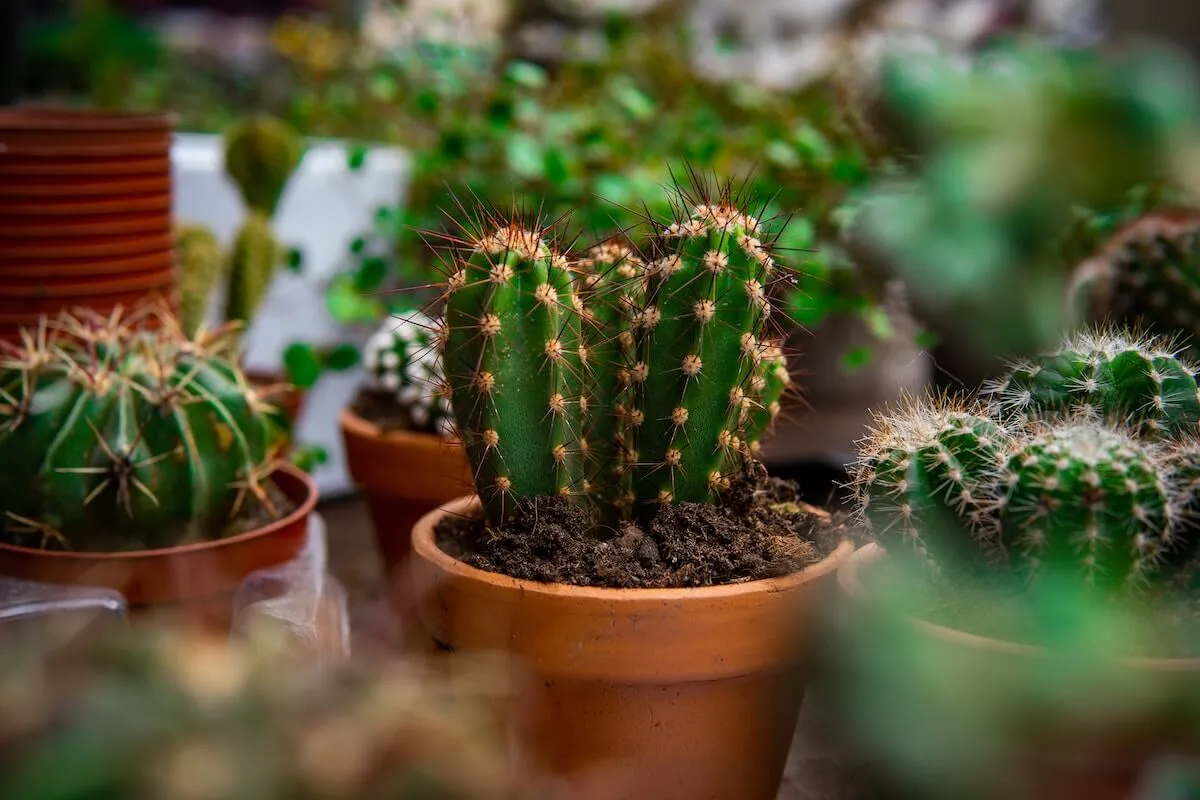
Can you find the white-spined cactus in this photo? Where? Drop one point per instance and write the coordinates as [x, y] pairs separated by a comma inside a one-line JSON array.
[[402, 359]]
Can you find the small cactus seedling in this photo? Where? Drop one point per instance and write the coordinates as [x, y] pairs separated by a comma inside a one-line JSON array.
[[512, 359], [401, 359], [116, 436], [700, 339], [1147, 274], [1080, 499], [1122, 377], [923, 480], [200, 260], [261, 153]]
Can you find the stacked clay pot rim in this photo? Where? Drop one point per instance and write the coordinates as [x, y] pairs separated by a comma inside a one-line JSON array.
[[85, 212]]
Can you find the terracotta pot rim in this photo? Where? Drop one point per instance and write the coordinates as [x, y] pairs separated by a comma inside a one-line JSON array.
[[425, 545], [304, 509], [362, 427], [850, 580], [83, 120]]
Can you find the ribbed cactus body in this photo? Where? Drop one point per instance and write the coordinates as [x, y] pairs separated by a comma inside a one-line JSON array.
[[512, 361], [261, 154], [612, 289], [1088, 502], [1182, 467], [1147, 275], [117, 438], [252, 263], [768, 384], [200, 262], [923, 483], [1116, 376], [698, 336]]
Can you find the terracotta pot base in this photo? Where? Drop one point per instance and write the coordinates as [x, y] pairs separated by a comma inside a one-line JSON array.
[[672, 693], [98, 205]]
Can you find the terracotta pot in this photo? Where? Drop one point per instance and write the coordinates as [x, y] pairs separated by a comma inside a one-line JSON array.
[[1059, 758], [30, 126], [15, 165], [84, 286], [85, 267], [195, 582], [63, 207], [12, 323], [37, 226], [403, 476], [52, 249], [55, 298], [41, 187], [671, 693]]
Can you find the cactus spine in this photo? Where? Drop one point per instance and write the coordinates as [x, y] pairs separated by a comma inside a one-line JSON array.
[[699, 337], [923, 481], [770, 382], [512, 359], [1112, 373], [120, 437], [200, 262]]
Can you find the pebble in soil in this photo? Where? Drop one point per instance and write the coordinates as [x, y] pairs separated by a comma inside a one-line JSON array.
[[758, 530]]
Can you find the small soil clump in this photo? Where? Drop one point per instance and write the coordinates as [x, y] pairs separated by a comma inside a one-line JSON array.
[[382, 408], [758, 530]]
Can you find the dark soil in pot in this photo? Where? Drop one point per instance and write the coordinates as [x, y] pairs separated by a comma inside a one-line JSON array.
[[760, 529], [380, 407]]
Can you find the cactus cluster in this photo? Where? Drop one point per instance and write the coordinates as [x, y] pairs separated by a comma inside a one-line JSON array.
[[157, 715], [261, 154], [401, 359], [638, 374], [1082, 463], [1147, 274], [119, 432]]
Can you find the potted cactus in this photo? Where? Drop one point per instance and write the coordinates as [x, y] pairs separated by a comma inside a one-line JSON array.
[[623, 542], [1041, 541], [142, 460], [400, 444], [261, 153], [157, 714]]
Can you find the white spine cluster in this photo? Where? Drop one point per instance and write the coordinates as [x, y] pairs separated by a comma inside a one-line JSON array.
[[403, 358]]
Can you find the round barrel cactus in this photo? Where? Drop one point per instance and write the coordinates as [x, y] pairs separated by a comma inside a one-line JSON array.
[[1086, 501], [117, 436]]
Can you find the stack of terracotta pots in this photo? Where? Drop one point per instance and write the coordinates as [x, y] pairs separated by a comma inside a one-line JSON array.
[[85, 212]]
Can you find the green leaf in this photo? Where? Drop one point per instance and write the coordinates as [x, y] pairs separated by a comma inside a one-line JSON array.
[[383, 86], [555, 166], [636, 103], [525, 156], [813, 146], [878, 322], [309, 457], [341, 358], [370, 274], [348, 306], [926, 339], [356, 156], [357, 244], [294, 260], [302, 365], [783, 154], [527, 75], [857, 358]]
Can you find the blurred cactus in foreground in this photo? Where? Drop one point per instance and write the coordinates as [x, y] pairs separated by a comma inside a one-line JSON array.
[[200, 261], [666, 355], [163, 716]]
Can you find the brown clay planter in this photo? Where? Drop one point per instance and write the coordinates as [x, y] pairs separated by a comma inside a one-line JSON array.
[[40, 188], [14, 165], [650, 693], [403, 476], [12, 323], [85, 286], [51, 250], [36, 127], [1061, 759], [131, 204], [86, 267], [196, 582], [51, 300], [37, 226]]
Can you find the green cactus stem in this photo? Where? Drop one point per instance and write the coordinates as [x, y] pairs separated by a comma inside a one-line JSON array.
[[922, 483], [699, 337], [200, 260], [513, 362], [252, 263], [261, 153], [1086, 502], [115, 436], [612, 288], [1182, 465], [1148, 275], [768, 385], [1115, 374]]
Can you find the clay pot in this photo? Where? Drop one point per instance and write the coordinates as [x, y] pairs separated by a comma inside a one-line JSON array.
[[14, 165], [12, 323], [42, 187], [86, 267], [52, 128], [128, 204], [671, 693], [42, 298], [403, 476], [196, 582], [85, 226], [1059, 757], [51, 250]]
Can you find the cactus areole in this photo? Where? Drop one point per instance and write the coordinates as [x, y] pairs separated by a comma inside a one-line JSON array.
[[624, 380], [117, 437]]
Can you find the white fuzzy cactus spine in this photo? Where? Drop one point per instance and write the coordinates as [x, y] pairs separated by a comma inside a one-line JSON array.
[[403, 358]]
